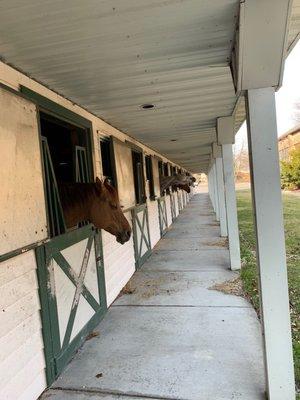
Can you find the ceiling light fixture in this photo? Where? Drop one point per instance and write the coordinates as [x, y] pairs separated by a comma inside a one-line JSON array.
[[147, 106]]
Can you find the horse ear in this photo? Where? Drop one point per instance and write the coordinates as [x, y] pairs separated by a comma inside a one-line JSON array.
[[98, 185]]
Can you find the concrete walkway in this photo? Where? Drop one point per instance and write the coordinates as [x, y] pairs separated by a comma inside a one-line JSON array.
[[173, 337]]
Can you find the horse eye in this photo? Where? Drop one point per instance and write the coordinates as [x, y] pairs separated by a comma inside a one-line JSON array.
[[114, 206]]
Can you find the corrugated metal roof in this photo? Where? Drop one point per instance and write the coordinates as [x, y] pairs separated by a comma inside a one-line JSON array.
[[112, 56]]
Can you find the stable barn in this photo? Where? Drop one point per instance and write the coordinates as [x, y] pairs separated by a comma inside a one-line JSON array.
[[174, 80], [51, 299]]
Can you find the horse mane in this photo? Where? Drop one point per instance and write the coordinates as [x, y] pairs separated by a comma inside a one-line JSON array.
[[76, 194]]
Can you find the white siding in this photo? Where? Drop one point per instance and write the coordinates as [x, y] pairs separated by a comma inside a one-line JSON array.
[[168, 206], [119, 263], [153, 222], [21, 345], [176, 203]]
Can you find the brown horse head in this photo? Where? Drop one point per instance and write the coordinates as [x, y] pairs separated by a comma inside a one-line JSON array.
[[106, 212], [97, 202]]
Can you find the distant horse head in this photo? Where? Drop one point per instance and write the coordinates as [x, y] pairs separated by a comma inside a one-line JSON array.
[[97, 202]]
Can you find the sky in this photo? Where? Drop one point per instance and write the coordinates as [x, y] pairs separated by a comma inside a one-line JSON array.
[[286, 99]]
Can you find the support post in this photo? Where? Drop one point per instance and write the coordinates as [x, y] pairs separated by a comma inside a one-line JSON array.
[[209, 181], [212, 187], [216, 195], [270, 243], [225, 139], [217, 153]]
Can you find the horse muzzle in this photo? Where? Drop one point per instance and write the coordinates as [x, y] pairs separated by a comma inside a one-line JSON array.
[[123, 237]]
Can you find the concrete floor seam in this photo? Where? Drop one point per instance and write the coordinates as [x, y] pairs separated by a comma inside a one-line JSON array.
[[175, 306], [116, 393]]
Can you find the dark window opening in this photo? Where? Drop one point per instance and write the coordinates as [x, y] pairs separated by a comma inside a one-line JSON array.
[[149, 175], [166, 173], [66, 149], [138, 173], [166, 169], [173, 173], [107, 157], [160, 168]]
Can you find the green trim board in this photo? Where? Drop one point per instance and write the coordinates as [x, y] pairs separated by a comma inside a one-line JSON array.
[[58, 351], [141, 234], [56, 108]]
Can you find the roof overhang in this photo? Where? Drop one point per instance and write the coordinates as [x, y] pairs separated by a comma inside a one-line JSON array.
[[114, 57]]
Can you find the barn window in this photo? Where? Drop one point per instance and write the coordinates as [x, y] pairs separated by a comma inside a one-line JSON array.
[[108, 161], [138, 173], [160, 168], [149, 175], [66, 158], [166, 173], [172, 173]]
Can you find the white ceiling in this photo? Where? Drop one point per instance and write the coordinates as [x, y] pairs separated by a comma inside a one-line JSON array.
[[112, 56]]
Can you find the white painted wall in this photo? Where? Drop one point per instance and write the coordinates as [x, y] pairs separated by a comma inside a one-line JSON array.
[[119, 263], [168, 207], [153, 222], [22, 365], [22, 201], [175, 196]]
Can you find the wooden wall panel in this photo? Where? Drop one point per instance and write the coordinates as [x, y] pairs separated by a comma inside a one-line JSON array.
[[22, 202]]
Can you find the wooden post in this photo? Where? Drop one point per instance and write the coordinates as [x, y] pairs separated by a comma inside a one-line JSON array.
[[270, 243]]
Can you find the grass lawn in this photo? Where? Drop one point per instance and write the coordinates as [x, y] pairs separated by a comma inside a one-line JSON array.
[[291, 206]]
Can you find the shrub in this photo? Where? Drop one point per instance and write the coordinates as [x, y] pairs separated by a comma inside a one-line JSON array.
[[290, 171]]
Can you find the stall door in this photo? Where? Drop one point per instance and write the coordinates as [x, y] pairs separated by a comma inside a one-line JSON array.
[[141, 234], [72, 292], [162, 213]]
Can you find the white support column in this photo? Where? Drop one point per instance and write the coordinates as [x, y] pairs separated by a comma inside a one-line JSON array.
[[217, 153], [213, 187], [267, 204], [221, 192], [209, 182], [225, 139], [216, 195]]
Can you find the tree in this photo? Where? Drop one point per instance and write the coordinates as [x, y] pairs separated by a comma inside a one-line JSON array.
[[290, 171]]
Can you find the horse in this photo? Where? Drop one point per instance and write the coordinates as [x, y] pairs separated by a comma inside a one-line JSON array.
[[96, 202], [179, 180]]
